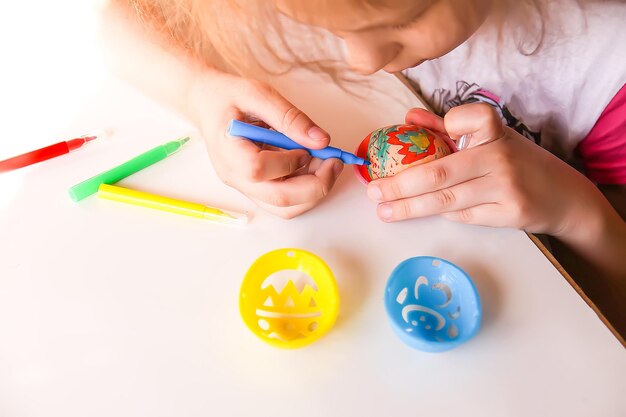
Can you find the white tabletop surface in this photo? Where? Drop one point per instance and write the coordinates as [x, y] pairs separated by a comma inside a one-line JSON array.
[[108, 309]]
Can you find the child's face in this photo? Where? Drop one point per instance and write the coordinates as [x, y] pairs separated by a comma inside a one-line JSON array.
[[394, 34]]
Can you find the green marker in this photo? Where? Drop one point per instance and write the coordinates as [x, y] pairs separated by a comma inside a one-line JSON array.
[[90, 186]]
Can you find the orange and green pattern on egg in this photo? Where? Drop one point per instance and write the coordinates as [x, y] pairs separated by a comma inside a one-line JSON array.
[[393, 149]]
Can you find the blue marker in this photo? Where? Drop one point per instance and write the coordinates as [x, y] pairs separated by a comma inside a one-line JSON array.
[[273, 138]]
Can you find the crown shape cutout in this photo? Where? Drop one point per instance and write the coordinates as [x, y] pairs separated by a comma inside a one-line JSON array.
[[289, 302]]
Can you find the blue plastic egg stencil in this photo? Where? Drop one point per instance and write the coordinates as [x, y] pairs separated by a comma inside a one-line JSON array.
[[432, 304]]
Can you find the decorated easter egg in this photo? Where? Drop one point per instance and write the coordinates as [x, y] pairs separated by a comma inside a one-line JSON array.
[[393, 149]]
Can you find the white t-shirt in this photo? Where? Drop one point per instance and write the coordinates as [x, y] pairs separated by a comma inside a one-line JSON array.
[[554, 96]]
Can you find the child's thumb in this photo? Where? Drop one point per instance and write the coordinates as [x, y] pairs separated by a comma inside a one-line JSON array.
[[473, 124]]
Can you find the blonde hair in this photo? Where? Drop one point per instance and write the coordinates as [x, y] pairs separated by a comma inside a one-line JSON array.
[[247, 37], [244, 37]]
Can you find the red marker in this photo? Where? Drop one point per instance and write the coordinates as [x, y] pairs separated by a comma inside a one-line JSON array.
[[44, 154]]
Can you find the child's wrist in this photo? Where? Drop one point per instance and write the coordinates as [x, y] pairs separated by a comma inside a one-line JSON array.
[[591, 223], [601, 243]]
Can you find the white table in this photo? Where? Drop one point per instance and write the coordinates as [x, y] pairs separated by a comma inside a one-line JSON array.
[[108, 309]]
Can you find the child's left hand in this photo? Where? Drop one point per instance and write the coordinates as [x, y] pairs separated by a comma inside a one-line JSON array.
[[507, 181]]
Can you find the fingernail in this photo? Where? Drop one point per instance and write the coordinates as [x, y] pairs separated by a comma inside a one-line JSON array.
[[374, 192], [385, 211], [464, 141], [337, 168], [317, 133]]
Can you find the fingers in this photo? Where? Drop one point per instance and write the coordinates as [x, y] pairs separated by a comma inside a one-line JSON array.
[[453, 199], [299, 189], [254, 164], [278, 164], [326, 176], [425, 118], [474, 124], [492, 214], [436, 175], [479, 121], [268, 105]]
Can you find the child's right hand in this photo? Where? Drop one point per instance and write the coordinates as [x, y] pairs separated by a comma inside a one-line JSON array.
[[284, 182]]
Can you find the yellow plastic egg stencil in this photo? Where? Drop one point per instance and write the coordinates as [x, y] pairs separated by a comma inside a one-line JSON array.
[[295, 312]]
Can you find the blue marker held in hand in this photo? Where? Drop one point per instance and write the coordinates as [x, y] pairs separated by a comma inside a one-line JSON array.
[[273, 138]]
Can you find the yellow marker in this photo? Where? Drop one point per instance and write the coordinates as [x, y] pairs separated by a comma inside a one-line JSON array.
[[139, 198]]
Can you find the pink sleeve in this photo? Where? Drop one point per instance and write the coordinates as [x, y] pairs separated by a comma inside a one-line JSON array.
[[603, 151]]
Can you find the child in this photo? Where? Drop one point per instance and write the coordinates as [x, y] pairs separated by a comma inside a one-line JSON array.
[[502, 72]]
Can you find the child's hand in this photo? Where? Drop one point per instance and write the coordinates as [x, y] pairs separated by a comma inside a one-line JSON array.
[[507, 181], [284, 182]]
